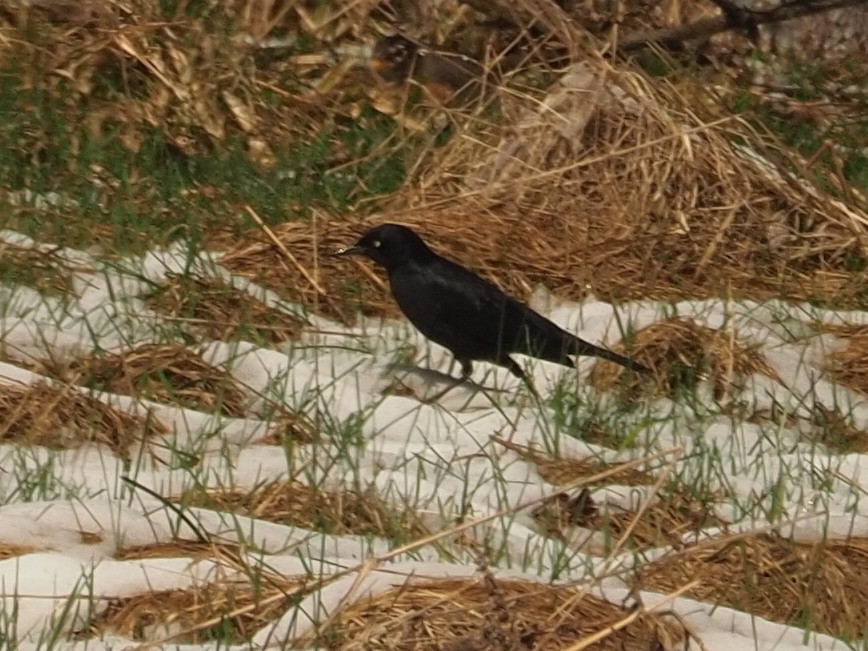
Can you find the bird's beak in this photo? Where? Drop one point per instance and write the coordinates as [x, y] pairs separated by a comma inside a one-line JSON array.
[[378, 64], [350, 250]]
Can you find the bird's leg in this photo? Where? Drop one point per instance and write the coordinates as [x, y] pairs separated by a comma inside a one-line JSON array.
[[466, 370], [518, 372], [514, 368]]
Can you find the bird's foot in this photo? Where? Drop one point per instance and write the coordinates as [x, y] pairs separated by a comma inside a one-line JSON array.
[[437, 396]]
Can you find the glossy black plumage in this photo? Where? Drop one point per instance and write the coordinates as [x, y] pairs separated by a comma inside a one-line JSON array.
[[465, 313]]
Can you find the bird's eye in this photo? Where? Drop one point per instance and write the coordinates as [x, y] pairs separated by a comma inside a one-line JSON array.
[[376, 244]]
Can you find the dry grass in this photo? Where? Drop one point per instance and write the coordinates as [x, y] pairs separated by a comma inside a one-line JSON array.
[[91, 537], [619, 185], [42, 270], [662, 524], [178, 548], [347, 288], [233, 606], [195, 75], [209, 308], [832, 429], [620, 188], [822, 587], [457, 614], [822, 425], [231, 611], [291, 428], [11, 551], [682, 353], [849, 365], [168, 373], [309, 507], [489, 615], [560, 471], [60, 417]]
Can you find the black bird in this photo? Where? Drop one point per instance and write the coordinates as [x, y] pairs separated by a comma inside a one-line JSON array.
[[470, 316]]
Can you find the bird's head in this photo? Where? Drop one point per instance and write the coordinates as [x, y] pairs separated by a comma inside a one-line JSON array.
[[392, 58], [389, 245]]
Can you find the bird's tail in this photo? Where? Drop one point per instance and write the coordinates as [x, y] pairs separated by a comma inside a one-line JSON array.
[[585, 348]]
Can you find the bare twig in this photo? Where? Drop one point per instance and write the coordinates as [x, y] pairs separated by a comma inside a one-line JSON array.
[[732, 17]]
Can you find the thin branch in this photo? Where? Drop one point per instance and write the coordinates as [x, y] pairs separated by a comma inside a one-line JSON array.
[[732, 17]]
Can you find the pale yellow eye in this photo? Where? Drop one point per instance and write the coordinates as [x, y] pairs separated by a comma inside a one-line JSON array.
[[376, 244]]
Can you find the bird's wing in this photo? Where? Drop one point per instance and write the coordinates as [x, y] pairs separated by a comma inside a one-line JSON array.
[[473, 313], [457, 309], [474, 319]]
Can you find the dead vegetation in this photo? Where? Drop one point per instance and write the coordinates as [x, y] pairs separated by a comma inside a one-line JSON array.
[[818, 586], [170, 374], [61, 417], [536, 196], [209, 308], [314, 508], [837, 433], [475, 613], [167, 373], [234, 605], [487, 614], [11, 551], [561, 471], [663, 524], [177, 548], [681, 354], [825, 425], [849, 365], [541, 199], [618, 185], [44, 271], [232, 610]]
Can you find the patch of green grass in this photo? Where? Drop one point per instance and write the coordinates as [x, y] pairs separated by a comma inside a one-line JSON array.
[[129, 201], [808, 127], [575, 417]]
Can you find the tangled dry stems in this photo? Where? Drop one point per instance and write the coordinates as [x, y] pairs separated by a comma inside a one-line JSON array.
[[311, 507], [42, 270], [620, 190], [169, 373], [681, 353], [616, 185], [487, 614], [11, 551], [233, 604], [822, 586], [560, 471], [663, 524], [61, 417], [208, 307], [849, 365], [174, 374], [232, 610]]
